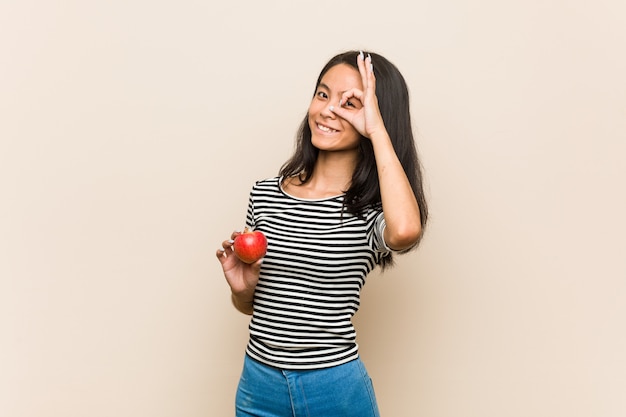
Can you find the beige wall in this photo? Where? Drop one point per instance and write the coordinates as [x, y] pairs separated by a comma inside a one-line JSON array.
[[131, 131]]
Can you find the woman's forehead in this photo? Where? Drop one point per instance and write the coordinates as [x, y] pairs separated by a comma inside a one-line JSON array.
[[341, 77]]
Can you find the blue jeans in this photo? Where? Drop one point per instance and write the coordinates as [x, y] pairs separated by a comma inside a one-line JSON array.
[[340, 391]]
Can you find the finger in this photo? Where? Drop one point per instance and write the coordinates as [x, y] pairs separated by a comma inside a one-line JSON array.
[[221, 255], [369, 64], [367, 76], [256, 266], [371, 78], [353, 92], [235, 234], [342, 112], [360, 62]]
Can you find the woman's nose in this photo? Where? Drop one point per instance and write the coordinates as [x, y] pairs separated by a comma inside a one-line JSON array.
[[327, 111]]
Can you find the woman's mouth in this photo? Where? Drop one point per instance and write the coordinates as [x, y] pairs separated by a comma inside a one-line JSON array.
[[326, 129]]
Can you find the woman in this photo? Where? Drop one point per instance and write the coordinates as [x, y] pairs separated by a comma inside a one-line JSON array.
[[348, 199]]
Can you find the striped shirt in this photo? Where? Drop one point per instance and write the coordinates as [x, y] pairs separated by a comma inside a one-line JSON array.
[[309, 286]]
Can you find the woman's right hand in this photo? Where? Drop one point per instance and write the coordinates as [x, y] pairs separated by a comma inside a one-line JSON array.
[[240, 276]]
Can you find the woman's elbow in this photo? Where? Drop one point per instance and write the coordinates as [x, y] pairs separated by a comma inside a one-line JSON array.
[[404, 237]]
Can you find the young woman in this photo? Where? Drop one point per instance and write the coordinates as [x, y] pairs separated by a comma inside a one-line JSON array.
[[349, 198]]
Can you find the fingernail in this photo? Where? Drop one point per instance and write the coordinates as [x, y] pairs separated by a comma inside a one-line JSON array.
[[231, 241], [361, 55], [332, 108]]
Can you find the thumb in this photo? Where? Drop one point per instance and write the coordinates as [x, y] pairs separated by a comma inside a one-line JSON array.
[[256, 266], [340, 111]]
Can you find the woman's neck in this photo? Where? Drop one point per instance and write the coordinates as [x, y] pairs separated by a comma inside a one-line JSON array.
[[332, 176]]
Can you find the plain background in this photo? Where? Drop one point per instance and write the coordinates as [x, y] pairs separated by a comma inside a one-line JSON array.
[[131, 132]]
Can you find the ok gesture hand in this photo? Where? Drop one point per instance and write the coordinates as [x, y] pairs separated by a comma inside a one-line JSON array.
[[367, 120]]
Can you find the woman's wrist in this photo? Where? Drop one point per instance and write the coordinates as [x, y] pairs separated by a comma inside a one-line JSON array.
[[380, 136], [243, 302]]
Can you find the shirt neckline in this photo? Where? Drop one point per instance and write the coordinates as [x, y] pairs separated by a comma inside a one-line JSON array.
[[282, 190]]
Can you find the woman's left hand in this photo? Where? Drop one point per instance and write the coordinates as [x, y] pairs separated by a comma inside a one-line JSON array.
[[367, 119]]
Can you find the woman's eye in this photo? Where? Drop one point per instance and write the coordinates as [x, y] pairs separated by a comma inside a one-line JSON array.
[[355, 104], [322, 94]]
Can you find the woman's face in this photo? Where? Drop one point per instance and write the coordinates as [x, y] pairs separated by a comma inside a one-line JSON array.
[[330, 132]]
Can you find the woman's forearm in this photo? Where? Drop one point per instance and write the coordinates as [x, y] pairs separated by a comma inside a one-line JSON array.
[[402, 213]]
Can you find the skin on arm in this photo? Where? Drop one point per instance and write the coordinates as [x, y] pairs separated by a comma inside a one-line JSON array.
[[402, 215], [241, 277]]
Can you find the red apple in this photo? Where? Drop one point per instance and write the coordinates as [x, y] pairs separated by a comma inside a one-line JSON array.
[[250, 246]]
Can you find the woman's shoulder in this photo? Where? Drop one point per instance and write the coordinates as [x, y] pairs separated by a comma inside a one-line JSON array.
[[266, 185], [267, 182]]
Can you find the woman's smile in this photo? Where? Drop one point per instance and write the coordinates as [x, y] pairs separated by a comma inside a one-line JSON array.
[[326, 129]]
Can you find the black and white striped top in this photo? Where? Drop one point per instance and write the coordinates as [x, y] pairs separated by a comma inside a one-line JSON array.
[[311, 277]]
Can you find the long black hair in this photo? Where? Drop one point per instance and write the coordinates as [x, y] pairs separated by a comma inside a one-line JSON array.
[[393, 101]]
